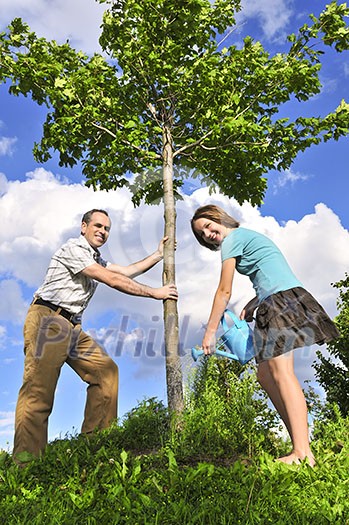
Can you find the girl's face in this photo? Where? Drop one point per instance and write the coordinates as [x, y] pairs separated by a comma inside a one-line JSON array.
[[211, 232]]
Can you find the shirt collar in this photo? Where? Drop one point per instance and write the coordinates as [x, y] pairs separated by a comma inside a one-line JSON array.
[[94, 252]]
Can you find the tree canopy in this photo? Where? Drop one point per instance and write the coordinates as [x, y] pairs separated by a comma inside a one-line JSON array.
[[167, 69]]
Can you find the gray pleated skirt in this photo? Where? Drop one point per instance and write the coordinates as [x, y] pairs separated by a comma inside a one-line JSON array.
[[288, 320]]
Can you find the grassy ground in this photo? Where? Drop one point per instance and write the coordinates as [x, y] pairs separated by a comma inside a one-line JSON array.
[[215, 465], [144, 472]]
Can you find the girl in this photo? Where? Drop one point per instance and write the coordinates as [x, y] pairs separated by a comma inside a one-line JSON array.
[[288, 316]]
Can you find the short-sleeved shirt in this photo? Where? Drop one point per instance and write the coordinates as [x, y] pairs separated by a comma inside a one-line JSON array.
[[261, 260], [64, 284]]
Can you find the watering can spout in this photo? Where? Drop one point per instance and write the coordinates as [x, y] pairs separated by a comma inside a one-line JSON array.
[[195, 353]]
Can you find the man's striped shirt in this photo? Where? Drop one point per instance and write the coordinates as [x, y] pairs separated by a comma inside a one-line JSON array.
[[64, 284]]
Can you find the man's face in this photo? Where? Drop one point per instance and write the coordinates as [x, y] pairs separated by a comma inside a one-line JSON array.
[[96, 232]]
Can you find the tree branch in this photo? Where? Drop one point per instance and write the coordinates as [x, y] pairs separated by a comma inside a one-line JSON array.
[[138, 148], [193, 144]]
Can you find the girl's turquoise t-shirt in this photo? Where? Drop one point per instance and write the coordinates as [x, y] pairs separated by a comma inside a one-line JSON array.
[[261, 260]]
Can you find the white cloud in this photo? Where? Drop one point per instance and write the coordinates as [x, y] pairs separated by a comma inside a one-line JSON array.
[[40, 213], [273, 16], [2, 336], [6, 429], [79, 21], [9, 361], [7, 145], [6, 418], [288, 177], [329, 86], [3, 184], [12, 306]]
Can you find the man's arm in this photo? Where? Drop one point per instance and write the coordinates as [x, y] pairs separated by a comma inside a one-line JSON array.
[[126, 285], [139, 267]]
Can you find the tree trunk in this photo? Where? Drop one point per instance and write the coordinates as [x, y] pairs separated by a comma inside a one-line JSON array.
[[173, 364]]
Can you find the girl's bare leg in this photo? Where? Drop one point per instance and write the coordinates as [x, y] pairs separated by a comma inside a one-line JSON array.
[[278, 379]]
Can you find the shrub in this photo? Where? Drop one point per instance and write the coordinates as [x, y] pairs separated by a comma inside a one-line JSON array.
[[333, 372], [146, 426], [226, 412]]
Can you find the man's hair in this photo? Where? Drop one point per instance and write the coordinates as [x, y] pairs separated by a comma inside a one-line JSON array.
[[215, 214], [88, 215]]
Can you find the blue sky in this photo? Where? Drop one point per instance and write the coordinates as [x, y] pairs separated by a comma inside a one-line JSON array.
[[305, 211]]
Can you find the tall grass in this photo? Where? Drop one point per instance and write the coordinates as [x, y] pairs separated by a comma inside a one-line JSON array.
[[214, 466]]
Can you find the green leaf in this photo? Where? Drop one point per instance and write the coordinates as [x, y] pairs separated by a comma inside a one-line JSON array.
[[130, 124]]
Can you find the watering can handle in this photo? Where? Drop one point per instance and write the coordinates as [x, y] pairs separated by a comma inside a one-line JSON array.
[[233, 317]]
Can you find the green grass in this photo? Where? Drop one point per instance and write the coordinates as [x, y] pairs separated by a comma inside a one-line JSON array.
[[150, 470], [95, 481]]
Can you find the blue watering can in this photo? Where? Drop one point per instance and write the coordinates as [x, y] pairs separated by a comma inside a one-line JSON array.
[[237, 339]]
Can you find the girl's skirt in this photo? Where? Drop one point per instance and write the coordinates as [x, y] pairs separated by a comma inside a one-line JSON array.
[[288, 320]]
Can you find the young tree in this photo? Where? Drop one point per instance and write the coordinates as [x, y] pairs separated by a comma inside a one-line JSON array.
[[333, 373], [171, 100]]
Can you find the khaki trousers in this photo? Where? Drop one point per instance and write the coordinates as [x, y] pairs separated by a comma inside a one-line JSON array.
[[50, 340]]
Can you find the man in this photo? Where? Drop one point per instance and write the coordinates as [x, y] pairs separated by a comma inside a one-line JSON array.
[[53, 334]]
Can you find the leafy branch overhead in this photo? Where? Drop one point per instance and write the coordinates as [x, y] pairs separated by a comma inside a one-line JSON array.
[[168, 76]]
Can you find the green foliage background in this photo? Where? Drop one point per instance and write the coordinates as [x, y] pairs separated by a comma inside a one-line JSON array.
[[333, 372]]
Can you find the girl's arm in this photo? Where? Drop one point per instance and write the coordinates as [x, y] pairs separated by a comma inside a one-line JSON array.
[[247, 312], [220, 302]]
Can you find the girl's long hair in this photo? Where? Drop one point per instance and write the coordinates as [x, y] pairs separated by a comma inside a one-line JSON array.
[[215, 214]]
